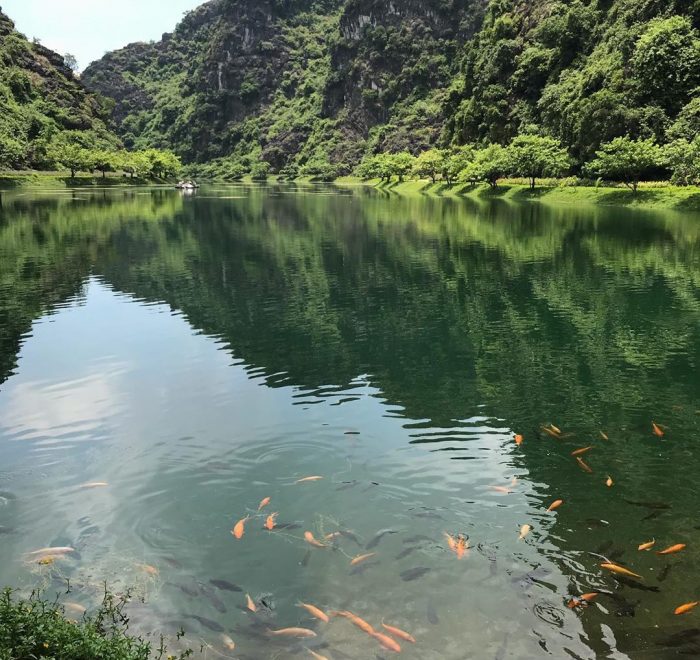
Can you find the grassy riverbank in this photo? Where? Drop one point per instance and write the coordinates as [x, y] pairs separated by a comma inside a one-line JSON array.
[[650, 195], [59, 180]]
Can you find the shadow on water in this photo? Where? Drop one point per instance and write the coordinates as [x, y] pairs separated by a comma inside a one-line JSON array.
[[468, 318]]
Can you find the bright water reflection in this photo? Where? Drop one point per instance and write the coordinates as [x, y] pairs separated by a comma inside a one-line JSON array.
[[200, 354]]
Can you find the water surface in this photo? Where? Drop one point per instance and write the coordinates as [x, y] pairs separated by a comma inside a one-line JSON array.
[[200, 353]]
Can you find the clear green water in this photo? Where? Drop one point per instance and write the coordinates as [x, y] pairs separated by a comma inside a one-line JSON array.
[[202, 353]]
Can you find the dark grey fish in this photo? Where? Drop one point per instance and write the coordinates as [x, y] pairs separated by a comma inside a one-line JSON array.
[[664, 573], [417, 539], [378, 537], [432, 614], [225, 585], [597, 522], [414, 573], [347, 485], [288, 526], [428, 514], [680, 638], [371, 485], [604, 547], [361, 568], [174, 563], [352, 433], [307, 558], [628, 609], [653, 515], [633, 584], [207, 623], [346, 533], [191, 590], [214, 600], [649, 505], [406, 552], [6, 530]]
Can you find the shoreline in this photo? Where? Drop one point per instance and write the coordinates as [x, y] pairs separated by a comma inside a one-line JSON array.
[[649, 196]]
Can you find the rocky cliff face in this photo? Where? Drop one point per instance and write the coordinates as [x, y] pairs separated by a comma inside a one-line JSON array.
[[292, 81]]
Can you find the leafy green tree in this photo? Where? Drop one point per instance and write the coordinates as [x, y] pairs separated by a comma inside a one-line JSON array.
[[134, 163], [12, 151], [163, 163], [627, 160], [683, 158], [456, 161], [666, 61], [105, 161], [489, 165], [535, 156], [378, 166], [260, 170], [71, 62], [71, 156], [401, 164], [429, 164]]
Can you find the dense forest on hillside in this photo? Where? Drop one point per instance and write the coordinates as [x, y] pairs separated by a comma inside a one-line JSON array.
[[314, 87]]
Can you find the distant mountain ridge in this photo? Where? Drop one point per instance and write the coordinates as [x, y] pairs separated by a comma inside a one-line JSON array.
[[312, 86]]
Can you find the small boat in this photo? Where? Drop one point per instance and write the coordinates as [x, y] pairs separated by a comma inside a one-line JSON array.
[[187, 185]]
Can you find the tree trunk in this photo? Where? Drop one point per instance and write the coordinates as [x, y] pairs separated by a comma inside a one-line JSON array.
[[532, 183], [72, 173]]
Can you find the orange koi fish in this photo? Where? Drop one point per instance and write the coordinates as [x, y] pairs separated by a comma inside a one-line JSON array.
[[682, 609], [609, 483], [357, 621], [647, 546], [462, 546], [271, 521], [386, 641], [580, 452], [75, 608], [583, 465], [293, 632], [555, 505], [620, 570], [397, 632], [672, 550], [519, 440], [360, 558], [524, 531], [239, 528], [312, 541], [451, 542], [95, 484], [315, 612], [264, 503], [306, 480], [148, 569], [579, 601], [228, 643], [553, 431], [501, 489], [657, 430], [332, 536], [250, 604]]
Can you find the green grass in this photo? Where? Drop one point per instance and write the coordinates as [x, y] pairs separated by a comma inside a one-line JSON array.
[[35, 629], [649, 195], [14, 180]]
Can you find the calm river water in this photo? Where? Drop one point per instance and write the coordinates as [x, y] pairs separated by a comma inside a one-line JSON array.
[[195, 355]]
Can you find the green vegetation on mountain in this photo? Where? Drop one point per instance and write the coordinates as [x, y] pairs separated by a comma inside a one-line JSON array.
[[316, 88], [42, 104]]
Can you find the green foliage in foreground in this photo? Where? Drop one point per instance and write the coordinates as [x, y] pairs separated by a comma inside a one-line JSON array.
[[36, 629]]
